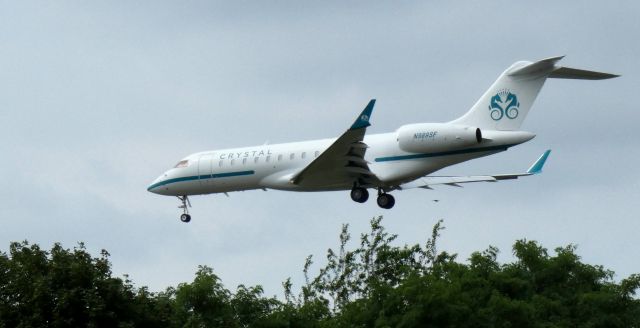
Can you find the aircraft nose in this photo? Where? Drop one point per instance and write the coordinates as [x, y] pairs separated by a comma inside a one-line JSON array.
[[153, 187]]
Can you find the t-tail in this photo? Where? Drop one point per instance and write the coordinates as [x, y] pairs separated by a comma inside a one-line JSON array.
[[506, 104]]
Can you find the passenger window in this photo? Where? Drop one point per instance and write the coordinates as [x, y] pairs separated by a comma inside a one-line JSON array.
[[303, 155], [292, 155], [244, 161], [268, 159], [255, 159], [220, 163], [279, 157], [317, 153], [233, 161]]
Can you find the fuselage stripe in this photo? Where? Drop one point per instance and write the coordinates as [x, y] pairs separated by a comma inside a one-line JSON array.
[[201, 177], [444, 153]]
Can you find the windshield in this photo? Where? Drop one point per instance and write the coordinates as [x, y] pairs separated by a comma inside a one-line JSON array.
[[183, 163]]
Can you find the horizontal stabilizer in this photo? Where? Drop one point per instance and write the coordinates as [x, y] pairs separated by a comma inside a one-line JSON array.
[[548, 66], [536, 68], [579, 74]]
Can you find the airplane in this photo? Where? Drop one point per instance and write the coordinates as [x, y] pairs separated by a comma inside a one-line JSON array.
[[386, 162]]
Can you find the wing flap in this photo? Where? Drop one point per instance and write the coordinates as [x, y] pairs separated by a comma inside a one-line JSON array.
[[446, 180], [455, 181]]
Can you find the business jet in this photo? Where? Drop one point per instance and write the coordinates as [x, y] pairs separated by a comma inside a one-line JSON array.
[[386, 162]]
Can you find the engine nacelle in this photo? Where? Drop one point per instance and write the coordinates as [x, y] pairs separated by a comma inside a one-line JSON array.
[[435, 137]]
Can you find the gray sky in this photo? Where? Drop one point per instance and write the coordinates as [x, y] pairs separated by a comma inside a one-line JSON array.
[[98, 98]]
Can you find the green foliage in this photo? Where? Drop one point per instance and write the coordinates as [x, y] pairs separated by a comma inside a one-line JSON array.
[[377, 284], [62, 288]]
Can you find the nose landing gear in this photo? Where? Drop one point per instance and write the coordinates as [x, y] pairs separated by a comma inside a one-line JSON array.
[[185, 217]]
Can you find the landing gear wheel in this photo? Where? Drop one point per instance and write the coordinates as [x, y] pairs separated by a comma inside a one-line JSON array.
[[185, 218], [386, 201], [359, 195]]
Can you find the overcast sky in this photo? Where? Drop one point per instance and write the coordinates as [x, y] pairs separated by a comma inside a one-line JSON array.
[[98, 98]]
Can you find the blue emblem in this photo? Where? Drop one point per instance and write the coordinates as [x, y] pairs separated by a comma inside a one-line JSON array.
[[504, 103]]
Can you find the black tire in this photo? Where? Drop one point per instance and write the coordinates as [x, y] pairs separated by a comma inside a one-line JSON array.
[[386, 201], [185, 218], [359, 195], [392, 203]]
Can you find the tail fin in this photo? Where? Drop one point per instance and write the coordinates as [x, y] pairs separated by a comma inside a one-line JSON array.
[[506, 104]]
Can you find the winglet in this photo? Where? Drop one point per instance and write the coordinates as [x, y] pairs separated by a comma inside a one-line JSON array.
[[363, 120], [537, 166]]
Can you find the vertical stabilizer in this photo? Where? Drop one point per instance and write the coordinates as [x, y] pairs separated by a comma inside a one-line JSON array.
[[505, 105]]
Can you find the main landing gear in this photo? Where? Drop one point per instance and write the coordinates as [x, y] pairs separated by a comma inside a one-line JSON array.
[[361, 195], [185, 217], [385, 200]]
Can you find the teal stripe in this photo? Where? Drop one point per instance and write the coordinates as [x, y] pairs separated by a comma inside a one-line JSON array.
[[226, 175], [201, 177], [444, 153]]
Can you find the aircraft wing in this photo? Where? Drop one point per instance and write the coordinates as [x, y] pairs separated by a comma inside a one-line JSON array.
[[343, 162], [428, 181]]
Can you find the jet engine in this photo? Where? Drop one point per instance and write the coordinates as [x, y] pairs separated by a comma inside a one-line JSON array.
[[436, 137]]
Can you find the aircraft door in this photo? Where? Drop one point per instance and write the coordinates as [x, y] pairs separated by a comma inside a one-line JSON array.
[[204, 169]]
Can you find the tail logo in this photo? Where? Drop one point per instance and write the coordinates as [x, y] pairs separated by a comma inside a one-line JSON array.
[[504, 103]]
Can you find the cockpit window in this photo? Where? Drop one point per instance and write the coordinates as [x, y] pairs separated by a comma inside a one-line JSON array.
[[183, 163]]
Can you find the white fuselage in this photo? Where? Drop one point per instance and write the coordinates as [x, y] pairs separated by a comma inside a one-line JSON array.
[[273, 166]]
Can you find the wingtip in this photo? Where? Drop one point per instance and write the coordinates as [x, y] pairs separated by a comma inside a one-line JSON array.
[[554, 58], [363, 120], [369, 108], [537, 166]]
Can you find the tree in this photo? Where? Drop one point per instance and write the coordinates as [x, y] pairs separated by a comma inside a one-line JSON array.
[[377, 284], [63, 287], [205, 302], [382, 285]]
